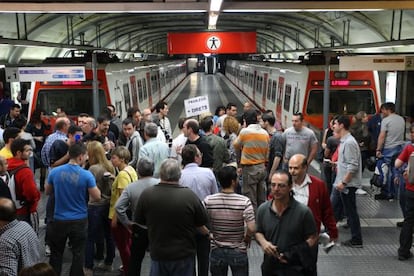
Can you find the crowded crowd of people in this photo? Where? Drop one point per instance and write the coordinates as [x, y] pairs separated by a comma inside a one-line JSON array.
[[195, 201]]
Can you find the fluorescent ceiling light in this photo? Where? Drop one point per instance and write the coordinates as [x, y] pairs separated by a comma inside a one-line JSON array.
[[212, 20], [215, 5]]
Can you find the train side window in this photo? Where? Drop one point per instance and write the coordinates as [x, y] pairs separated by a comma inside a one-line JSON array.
[[269, 89], [140, 92], [259, 85], [274, 89], [144, 89], [288, 92], [125, 89]]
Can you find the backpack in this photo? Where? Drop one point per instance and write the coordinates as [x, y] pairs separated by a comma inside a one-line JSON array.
[[4, 188], [19, 202]]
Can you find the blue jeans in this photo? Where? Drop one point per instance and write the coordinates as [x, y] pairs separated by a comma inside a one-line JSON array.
[[337, 205], [222, 258], [98, 225], [182, 267], [58, 233], [349, 202], [387, 170]]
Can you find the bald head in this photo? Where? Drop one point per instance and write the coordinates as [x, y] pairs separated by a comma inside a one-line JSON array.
[[299, 159], [7, 210], [247, 106], [298, 166]]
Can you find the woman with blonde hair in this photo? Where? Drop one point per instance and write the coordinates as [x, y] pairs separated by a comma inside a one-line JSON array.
[[231, 127], [127, 174], [98, 222]]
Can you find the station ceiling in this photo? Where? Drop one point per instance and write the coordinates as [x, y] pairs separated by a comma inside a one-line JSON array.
[[33, 30]]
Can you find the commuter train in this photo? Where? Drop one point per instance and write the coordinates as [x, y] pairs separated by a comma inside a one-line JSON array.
[[125, 85], [288, 88]]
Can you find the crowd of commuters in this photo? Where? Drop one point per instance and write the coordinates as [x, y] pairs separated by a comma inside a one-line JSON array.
[[195, 200]]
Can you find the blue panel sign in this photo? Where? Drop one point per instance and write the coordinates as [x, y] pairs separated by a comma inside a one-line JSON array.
[[67, 73]]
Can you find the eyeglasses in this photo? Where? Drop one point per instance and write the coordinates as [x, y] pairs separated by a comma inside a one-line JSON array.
[[279, 185]]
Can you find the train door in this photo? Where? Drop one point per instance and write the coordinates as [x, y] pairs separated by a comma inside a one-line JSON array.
[[133, 91], [279, 99]]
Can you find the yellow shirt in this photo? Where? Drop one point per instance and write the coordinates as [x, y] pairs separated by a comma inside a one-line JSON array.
[[6, 153], [123, 179]]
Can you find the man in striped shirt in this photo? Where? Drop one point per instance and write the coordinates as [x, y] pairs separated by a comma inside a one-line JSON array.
[[252, 147], [228, 212]]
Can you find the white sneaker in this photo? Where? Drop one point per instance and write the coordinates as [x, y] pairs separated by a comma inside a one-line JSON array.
[[47, 250], [104, 267], [360, 192], [87, 271]]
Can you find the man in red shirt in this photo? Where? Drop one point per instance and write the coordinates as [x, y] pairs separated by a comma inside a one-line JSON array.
[[27, 194], [312, 191], [406, 235]]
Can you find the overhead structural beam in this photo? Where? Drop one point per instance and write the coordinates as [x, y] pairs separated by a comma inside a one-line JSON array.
[[104, 7], [31, 43], [194, 7], [295, 6], [384, 45]]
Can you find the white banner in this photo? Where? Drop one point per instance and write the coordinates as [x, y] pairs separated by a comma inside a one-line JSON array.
[[196, 106]]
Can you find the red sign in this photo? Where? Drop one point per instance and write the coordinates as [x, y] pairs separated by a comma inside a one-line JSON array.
[[212, 42]]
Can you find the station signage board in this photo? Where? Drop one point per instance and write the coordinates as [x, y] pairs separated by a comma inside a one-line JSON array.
[[196, 106], [212, 42], [377, 63], [27, 74]]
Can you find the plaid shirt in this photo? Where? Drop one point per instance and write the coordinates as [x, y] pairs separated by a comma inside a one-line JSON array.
[[19, 247]]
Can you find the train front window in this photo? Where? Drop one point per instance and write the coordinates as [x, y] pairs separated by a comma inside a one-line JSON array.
[[342, 102], [73, 101]]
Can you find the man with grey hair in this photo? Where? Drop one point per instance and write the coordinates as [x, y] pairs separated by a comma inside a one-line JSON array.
[[127, 201], [153, 148], [172, 214]]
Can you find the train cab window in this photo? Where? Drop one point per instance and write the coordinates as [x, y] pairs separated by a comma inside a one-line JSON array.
[[288, 92], [342, 102], [144, 89], [274, 89], [75, 101]]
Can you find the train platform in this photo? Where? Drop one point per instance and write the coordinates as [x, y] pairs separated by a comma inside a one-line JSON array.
[[378, 218]]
